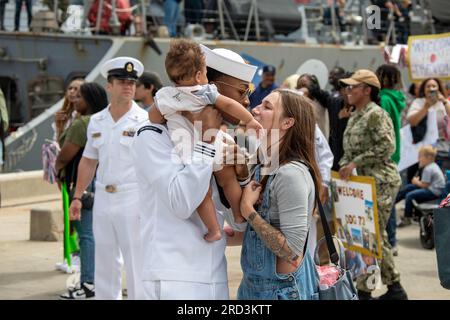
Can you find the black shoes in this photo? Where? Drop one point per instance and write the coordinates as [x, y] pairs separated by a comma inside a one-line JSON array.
[[395, 292], [363, 295]]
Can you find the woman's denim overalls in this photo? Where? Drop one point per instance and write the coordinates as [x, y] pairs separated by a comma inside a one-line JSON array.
[[260, 279]]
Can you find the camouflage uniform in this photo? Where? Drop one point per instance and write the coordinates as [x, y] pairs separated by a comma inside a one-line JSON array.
[[369, 142]]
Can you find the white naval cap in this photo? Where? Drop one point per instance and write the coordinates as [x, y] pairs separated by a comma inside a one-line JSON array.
[[228, 62], [123, 68]]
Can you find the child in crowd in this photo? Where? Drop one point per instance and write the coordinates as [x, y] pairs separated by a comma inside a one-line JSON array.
[[429, 186], [186, 67]]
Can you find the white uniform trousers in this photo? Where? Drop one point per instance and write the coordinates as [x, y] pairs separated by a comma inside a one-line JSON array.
[[185, 290], [117, 234]]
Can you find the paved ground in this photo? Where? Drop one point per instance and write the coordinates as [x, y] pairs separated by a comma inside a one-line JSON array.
[[27, 267]]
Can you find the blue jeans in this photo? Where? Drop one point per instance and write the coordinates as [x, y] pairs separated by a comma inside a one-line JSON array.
[[260, 279], [87, 245], [171, 12], [391, 227], [28, 4], [420, 195]]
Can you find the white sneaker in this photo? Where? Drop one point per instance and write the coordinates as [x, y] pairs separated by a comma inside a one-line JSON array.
[[82, 291], [61, 266], [75, 267], [64, 267]]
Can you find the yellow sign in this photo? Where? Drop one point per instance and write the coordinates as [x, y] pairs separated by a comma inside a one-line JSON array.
[[356, 214]]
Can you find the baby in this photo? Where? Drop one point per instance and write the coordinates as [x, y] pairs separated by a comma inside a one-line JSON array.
[[186, 67]]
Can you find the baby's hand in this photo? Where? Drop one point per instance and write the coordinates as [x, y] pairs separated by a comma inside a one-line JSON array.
[[255, 125]]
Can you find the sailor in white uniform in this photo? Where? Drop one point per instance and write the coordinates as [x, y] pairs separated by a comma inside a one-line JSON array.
[[116, 206], [178, 262]]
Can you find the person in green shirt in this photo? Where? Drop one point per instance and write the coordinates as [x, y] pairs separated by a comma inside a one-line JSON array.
[[394, 102], [92, 99]]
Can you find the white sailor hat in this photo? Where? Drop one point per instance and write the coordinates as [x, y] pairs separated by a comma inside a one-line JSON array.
[[228, 62], [123, 68]]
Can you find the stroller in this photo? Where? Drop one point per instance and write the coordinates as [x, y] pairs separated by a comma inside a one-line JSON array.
[[425, 213]]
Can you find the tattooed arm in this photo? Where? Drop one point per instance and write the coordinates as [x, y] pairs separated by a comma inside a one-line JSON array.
[[273, 238]]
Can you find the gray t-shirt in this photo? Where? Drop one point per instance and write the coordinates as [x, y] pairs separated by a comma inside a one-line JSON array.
[[292, 200], [433, 175], [292, 196]]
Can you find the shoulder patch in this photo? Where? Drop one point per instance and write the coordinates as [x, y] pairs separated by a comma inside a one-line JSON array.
[[151, 128]]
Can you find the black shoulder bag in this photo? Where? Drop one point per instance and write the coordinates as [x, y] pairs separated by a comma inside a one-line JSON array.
[[419, 131]]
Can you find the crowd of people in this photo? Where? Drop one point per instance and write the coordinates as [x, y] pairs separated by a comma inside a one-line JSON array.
[[204, 12], [169, 196]]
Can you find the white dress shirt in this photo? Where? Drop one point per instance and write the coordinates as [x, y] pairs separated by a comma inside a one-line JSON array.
[[109, 142], [170, 193]]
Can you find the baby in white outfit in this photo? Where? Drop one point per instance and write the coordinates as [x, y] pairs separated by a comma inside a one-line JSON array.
[[186, 67]]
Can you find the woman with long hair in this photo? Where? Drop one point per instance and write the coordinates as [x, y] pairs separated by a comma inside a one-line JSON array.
[[92, 99], [278, 204], [65, 116], [432, 96]]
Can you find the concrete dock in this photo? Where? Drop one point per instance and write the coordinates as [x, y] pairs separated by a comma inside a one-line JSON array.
[[27, 267]]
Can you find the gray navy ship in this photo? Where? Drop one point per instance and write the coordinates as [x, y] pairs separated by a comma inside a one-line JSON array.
[[293, 35]]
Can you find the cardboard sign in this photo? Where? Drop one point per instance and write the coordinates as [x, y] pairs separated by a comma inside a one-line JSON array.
[[429, 56], [356, 214]]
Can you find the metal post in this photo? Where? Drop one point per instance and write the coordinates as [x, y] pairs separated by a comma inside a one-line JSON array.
[[230, 21], [362, 10], [222, 23], [391, 29], [334, 28], [99, 16], [86, 6], [144, 18], [253, 10], [258, 33], [249, 22], [114, 20], [55, 9]]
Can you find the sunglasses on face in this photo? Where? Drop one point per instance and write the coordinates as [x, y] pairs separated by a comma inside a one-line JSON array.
[[243, 93], [351, 87]]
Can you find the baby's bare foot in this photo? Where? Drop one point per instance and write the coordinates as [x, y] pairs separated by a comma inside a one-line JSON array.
[[213, 236]]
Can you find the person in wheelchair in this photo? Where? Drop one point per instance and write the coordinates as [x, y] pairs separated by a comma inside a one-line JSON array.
[[429, 186]]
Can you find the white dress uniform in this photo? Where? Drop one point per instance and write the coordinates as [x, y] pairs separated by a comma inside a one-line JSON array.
[[116, 207], [178, 262]]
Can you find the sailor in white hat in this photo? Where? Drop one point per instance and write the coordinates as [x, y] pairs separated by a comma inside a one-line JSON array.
[[116, 207], [178, 262]]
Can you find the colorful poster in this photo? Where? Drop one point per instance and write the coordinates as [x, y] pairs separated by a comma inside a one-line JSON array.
[[429, 56], [356, 214]]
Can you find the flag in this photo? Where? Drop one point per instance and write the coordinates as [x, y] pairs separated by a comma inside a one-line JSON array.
[[70, 235]]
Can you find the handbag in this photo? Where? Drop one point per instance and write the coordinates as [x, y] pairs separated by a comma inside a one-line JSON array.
[[419, 131], [343, 288], [441, 223]]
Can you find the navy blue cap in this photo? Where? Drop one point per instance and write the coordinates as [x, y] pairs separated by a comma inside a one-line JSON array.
[[269, 69]]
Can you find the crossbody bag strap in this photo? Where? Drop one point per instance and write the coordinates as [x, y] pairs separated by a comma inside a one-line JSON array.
[[334, 257]]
